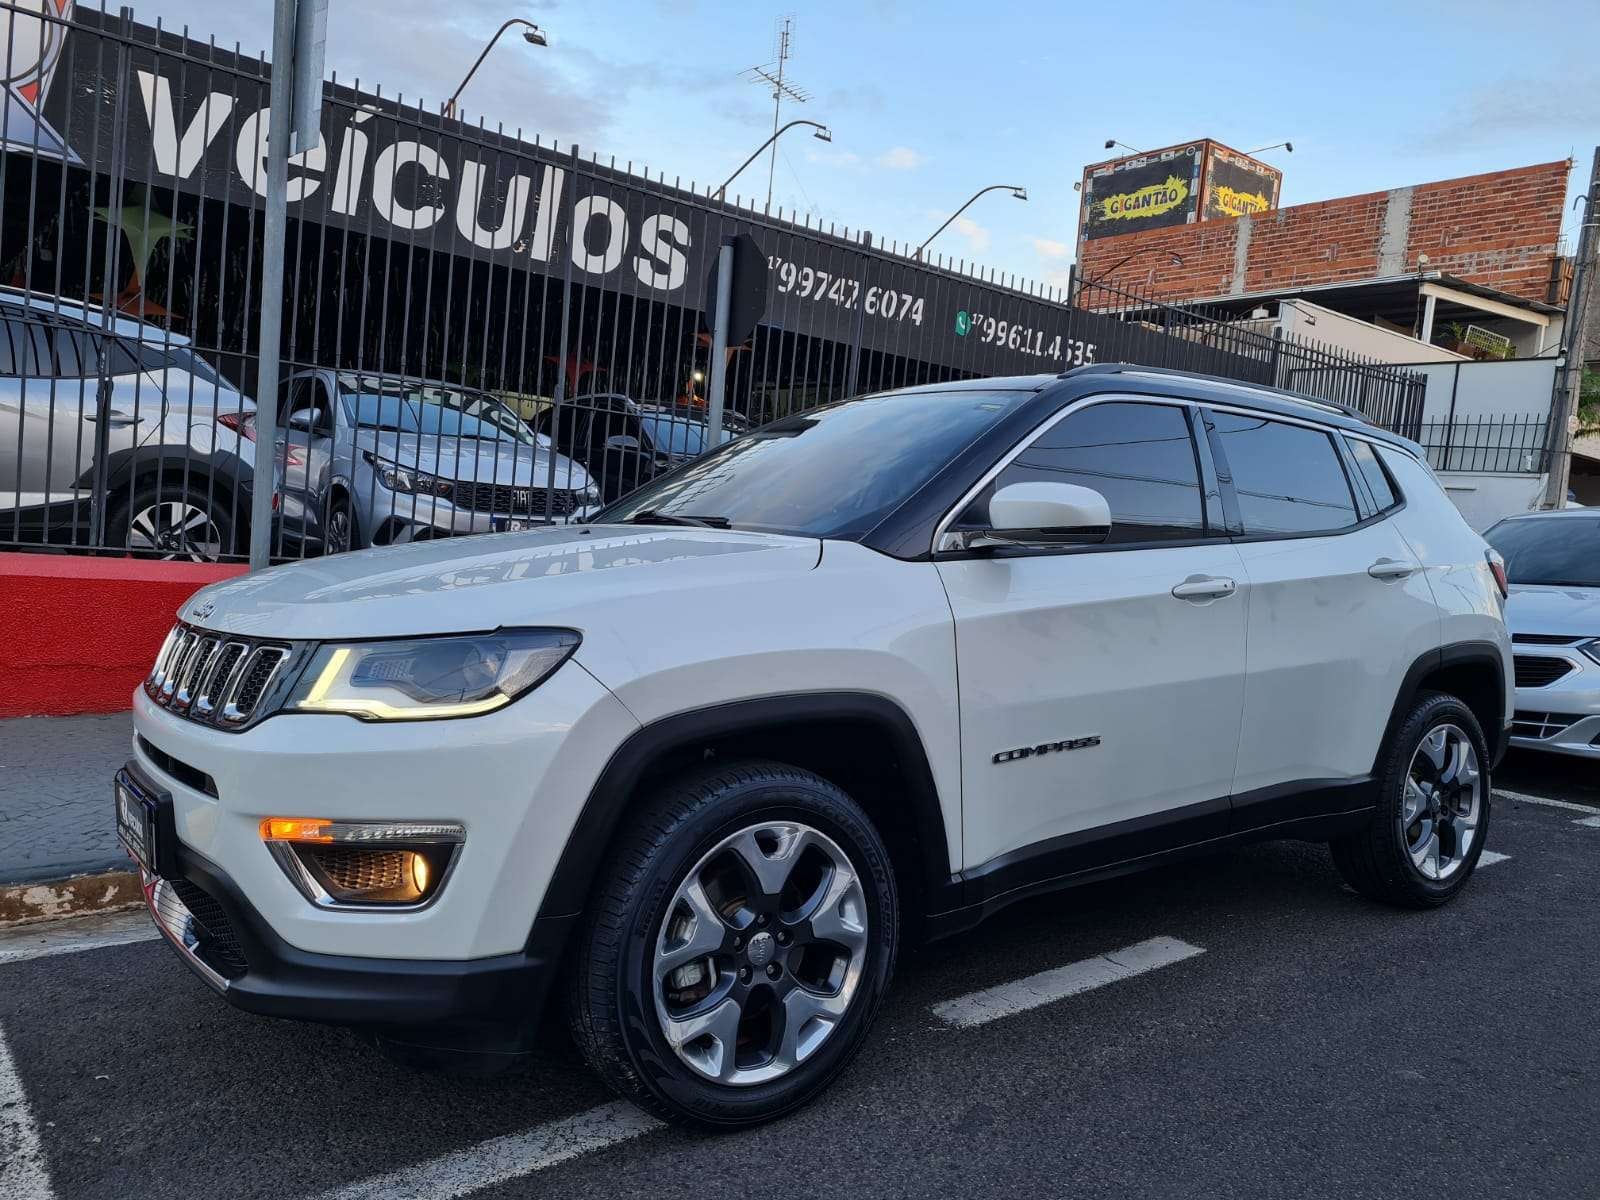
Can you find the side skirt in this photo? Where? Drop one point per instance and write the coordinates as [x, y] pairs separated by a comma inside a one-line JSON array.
[[1314, 810]]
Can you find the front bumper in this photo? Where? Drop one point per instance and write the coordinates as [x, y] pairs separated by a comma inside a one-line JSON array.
[[515, 780], [1562, 717], [221, 936]]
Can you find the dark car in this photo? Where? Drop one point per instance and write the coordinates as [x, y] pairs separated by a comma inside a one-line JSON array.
[[622, 443]]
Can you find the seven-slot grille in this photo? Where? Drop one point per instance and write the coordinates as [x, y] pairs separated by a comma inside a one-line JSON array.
[[1538, 670], [514, 501], [214, 678]]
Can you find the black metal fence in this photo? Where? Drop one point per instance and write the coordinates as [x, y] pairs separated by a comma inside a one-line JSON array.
[[1200, 338], [480, 331], [1518, 445]]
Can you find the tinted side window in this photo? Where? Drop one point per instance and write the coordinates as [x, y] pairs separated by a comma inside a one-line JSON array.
[[1372, 471], [1138, 456], [1287, 477], [24, 351]]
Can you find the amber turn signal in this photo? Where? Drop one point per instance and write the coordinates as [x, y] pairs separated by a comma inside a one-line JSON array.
[[296, 829]]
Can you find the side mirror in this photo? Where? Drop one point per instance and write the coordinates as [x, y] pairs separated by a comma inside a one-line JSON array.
[[1039, 514], [304, 419], [622, 441]]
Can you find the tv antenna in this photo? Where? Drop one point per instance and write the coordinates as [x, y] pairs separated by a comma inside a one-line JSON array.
[[772, 75]]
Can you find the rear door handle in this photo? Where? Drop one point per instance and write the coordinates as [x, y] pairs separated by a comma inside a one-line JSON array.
[[114, 420], [1204, 587], [1391, 568]]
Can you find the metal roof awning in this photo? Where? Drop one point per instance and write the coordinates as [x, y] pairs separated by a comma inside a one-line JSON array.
[[1398, 299]]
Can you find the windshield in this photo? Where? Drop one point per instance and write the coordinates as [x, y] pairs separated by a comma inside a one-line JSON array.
[[676, 436], [414, 407], [1557, 550], [835, 472]]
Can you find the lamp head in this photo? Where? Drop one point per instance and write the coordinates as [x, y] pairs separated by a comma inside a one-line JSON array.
[[534, 36], [823, 134], [1111, 143], [1020, 193]]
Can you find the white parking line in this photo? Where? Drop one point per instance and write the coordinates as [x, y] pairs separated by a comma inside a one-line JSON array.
[[1589, 822], [1489, 857], [1524, 798], [503, 1158], [22, 1170], [978, 1008], [69, 935]]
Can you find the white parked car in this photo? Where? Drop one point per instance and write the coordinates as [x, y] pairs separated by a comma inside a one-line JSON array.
[[1553, 566], [92, 403], [866, 674]]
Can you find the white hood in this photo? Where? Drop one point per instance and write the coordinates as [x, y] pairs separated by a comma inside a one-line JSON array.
[[568, 576]]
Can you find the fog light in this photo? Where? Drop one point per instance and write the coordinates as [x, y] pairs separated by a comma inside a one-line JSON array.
[[364, 864]]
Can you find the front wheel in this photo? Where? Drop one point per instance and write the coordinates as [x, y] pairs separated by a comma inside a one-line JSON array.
[[737, 955], [1433, 810]]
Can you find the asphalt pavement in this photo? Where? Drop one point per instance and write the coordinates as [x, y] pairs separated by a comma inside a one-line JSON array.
[[1237, 1026]]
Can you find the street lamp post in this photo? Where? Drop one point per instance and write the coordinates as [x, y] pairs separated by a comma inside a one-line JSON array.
[[533, 35], [1019, 192], [822, 134]]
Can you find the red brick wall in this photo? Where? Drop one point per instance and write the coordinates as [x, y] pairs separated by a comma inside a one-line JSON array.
[[1498, 229]]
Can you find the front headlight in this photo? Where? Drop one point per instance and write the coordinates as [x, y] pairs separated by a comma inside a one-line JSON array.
[[1591, 648], [398, 478], [428, 679]]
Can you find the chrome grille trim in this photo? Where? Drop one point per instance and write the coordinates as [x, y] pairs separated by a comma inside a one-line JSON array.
[[176, 924], [158, 673], [194, 670], [232, 711], [217, 679], [180, 661], [205, 702]]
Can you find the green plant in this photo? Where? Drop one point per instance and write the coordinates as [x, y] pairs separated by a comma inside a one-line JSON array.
[[1589, 399]]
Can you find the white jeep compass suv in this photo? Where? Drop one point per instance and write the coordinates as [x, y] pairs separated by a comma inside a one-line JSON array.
[[868, 673]]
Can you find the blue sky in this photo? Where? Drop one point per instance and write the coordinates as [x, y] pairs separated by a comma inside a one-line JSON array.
[[930, 101]]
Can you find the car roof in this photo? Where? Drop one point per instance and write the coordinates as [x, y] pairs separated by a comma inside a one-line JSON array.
[[1556, 514], [1131, 378], [90, 314]]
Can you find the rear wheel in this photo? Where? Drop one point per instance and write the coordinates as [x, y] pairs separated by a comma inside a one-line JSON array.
[[735, 958], [1427, 834], [173, 521]]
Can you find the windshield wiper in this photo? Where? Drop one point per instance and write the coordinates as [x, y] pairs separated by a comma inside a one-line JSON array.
[[651, 517]]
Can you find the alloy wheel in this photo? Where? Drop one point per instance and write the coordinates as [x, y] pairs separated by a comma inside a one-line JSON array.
[[339, 530], [760, 953], [1443, 802], [175, 529]]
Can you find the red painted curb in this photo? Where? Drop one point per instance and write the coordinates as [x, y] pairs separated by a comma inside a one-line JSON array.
[[77, 634]]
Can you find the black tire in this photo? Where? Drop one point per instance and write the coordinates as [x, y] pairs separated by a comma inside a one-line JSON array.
[[339, 507], [613, 1003], [142, 522], [1375, 861]]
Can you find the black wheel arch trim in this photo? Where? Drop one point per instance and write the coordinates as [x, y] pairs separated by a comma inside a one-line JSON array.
[[616, 789], [230, 474], [1455, 654]]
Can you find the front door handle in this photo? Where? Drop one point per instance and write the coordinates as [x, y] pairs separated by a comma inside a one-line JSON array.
[[1391, 568], [114, 419], [1204, 587]]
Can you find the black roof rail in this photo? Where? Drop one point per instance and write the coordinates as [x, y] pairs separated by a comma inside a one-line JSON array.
[[1119, 368]]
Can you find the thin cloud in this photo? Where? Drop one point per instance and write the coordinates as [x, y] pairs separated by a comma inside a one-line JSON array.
[[901, 158], [1050, 248], [977, 236]]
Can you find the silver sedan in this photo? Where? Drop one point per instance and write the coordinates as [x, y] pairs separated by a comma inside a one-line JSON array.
[[1553, 564]]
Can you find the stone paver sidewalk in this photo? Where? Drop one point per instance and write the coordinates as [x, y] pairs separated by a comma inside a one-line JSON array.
[[55, 795]]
